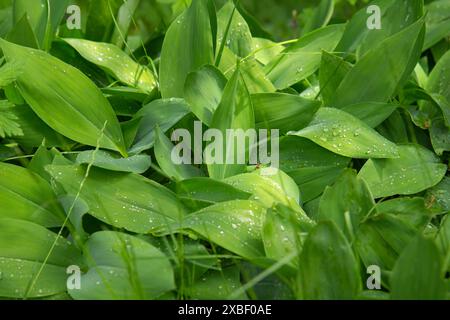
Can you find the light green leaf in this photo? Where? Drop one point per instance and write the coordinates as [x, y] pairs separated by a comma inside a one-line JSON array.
[[113, 162], [235, 111], [437, 21], [346, 135], [303, 58], [370, 80], [284, 233], [239, 37], [234, 225], [123, 267], [25, 195], [416, 169], [268, 186], [187, 46], [127, 200], [23, 248], [115, 61], [203, 91], [60, 94]]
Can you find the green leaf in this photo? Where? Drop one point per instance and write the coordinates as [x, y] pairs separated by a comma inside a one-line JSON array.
[[397, 16], [112, 59], [423, 282], [321, 16], [110, 161], [370, 80], [60, 94], [437, 22], [346, 203], [303, 58], [346, 135], [203, 91], [25, 195], [36, 12], [126, 201], [123, 267], [309, 165], [191, 35], [23, 248], [372, 113], [235, 111], [333, 70], [282, 111], [416, 169], [411, 210], [125, 16], [239, 37], [202, 192], [216, 285], [268, 186], [266, 50], [380, 240], [283, 232], [234, 225], [163, 154], [328, 269], [163, 113], [23, 34]]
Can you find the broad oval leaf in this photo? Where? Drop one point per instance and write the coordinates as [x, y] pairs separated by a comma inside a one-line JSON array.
[[346, 135], [416, 169], [60, 94]]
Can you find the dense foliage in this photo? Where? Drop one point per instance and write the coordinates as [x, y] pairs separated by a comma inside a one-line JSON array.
[[88, 187]]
